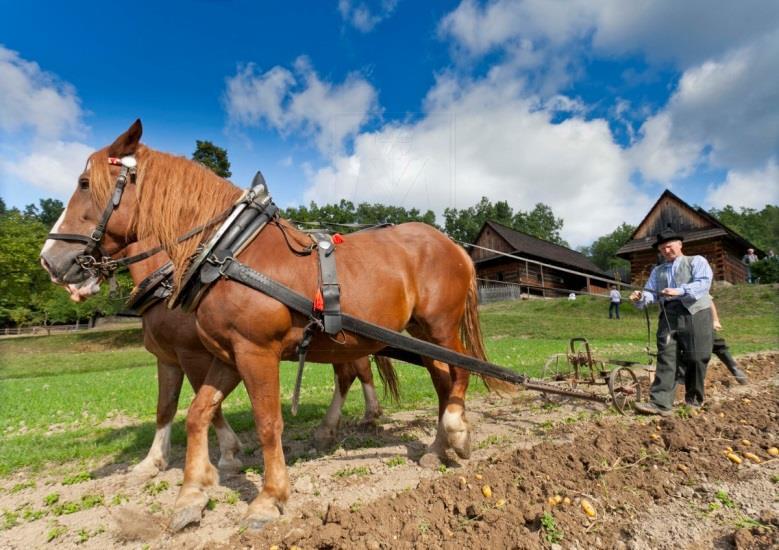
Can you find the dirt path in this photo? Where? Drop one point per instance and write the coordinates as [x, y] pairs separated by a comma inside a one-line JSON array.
[[652, 484]]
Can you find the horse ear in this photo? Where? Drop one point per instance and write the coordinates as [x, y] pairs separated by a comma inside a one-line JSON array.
[[127, 143]]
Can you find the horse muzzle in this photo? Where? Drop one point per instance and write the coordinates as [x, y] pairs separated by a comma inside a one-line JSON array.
[[64, 269]]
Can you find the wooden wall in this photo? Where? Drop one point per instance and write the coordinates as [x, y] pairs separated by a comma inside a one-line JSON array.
[[722, 256]]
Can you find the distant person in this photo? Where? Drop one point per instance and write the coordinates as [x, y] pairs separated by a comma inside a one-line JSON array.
[[748, 259], [684, 330], [615, 298], [722, 351]]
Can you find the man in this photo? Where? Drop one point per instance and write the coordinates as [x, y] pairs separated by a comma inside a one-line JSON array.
[[614, 300], [748, 259], [684, 331]]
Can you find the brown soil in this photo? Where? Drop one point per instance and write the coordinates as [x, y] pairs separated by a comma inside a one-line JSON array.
[[653, 483]]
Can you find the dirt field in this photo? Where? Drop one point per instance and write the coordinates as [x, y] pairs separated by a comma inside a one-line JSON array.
[[651, 484]]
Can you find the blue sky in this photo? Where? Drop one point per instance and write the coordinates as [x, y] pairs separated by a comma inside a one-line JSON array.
[[591, 106]]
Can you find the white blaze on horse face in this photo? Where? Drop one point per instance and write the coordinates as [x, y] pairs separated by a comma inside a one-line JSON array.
[[56, 229]]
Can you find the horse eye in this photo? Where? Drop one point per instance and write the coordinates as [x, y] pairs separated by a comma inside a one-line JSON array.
[[83, 184]]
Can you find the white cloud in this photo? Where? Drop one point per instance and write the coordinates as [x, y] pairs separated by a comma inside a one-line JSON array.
[[38, 112], [751, 189], [301, 102], [686, 33], [723, 112], [52, 167], [485, 139], [32, 99], [364, 17]]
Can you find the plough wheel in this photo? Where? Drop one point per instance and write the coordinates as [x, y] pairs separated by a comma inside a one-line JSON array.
[[624, 388]]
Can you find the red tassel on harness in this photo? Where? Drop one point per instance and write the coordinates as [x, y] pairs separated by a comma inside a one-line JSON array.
[[338, 238], [319, 302]]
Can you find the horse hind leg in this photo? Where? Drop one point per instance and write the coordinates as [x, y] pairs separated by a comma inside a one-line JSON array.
[[169, 381], [326, 432], [372, 406]]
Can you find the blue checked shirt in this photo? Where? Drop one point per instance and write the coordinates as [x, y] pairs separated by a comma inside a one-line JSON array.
[[697, 288]]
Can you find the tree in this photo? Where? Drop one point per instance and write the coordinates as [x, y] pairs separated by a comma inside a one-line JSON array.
[[603, 252], [48, 211], [464, 225], [760, 227], [212, 156], [365, 213]]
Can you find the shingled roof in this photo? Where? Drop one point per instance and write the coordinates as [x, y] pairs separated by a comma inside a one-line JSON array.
[[708, 227], [539, 249]]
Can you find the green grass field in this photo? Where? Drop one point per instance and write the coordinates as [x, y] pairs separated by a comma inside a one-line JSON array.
[[61, 397]]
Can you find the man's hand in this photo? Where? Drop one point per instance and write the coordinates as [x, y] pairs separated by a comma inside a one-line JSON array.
[[670, 292], [717, 325], [636, 296]]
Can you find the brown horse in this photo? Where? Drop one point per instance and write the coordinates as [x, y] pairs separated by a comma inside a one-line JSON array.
[[171, 336], [409, 277]]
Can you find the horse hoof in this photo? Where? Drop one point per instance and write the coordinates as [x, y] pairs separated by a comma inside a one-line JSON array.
[[185, 516], [431, 461], [464, 452], [323, 441], [255, 524], [145, 470], [230, 465]]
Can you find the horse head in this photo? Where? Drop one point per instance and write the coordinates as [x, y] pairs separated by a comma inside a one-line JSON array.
[[99, 219]]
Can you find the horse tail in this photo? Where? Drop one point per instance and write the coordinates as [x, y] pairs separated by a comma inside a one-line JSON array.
[[388, 377], [471, 336]]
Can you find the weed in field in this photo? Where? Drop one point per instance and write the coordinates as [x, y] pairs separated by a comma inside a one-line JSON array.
[[22, 486], [423, 526], [154, 489], [232, 498], [396, 461], [355, 506], [31, 514], [90, 501], [119, 498], [442, 469], [67, 507], [80, 477], [492, 440], [552, 533], [723, 497], [353, 471], [83, 535], [745, 522], [154, 508], [211, 504], [775, 478], [56, 531], [256, 470], [51, 499], [9, 518]]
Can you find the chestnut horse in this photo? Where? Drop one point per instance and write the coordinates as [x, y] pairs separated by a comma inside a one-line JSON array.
[[171, 336], [406, 277]]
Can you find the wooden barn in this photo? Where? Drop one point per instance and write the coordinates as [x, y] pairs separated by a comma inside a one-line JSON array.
[[546, 269], [703, 234]]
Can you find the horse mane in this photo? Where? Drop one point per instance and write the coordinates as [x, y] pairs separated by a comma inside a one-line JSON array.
[[174, 195]]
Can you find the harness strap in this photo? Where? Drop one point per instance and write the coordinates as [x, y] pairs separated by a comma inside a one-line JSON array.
[[331, 290], [305, 342], [399, 344]]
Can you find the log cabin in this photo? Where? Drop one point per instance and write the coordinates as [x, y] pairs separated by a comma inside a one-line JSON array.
[[547, 269], [703, 234]]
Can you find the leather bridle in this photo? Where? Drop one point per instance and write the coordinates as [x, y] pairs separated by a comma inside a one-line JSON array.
[[88, 259]]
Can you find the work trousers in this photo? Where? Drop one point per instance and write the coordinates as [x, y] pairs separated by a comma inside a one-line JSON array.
[[684, 344]]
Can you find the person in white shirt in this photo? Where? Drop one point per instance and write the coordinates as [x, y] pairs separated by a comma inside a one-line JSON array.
[[614, 300]]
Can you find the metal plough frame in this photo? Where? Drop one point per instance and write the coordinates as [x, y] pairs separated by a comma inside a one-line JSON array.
[[565, 372]]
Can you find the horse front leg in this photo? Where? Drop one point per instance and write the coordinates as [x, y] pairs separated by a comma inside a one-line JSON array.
[[199, 473], [169, 381], [259, 369]]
